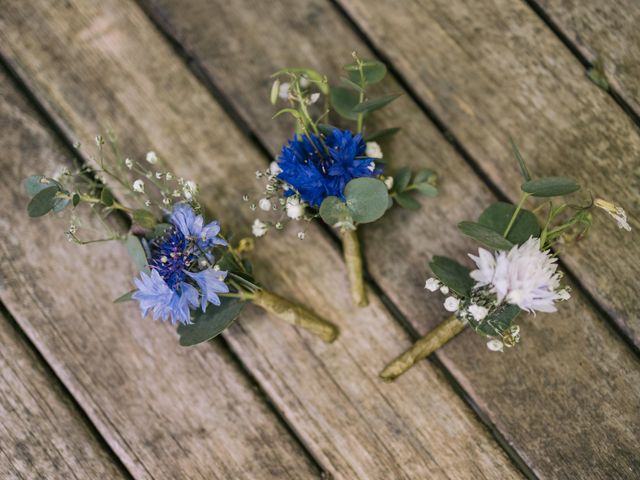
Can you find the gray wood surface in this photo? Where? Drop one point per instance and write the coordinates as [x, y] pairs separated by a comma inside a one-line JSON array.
[[94, 66], [165, 411], [42, 434], [492, 70], [571, 374], [607, 32]]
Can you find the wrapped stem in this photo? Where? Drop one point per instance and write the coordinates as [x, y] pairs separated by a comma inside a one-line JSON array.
[[353, 261], [424, 347], [295, 315]]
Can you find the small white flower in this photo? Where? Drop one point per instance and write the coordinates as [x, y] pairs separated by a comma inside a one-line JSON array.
[[432, 284], [616, 212], [304, 82], [128, 163], [166, 201], [259, 228], [149, 175], [176, 193], [444, 290], [274, 169], [138, 186], [58, 174], [152, 158], [478, 312], [295, 208], [189, 189], [168, 176], [451, 304], [147, 203], [389, 182], [283, 92], [313, 98], [159, 175], [495, 345], [301, 235], [372, 166], [564, 294], [264, 204], [373, 150]]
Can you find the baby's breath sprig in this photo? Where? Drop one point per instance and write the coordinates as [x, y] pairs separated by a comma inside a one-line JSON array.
[[520, 275]]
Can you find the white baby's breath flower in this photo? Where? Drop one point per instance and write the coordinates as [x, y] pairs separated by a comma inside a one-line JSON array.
[[478, 312], [151, 157], [189, 189], [295, 208], [166, 201], [432, 284], [389, 182], [274, 168], [168, 176], [259, 228], [524, 276], [138, 186], [495, 345], [451, 304], [615, 211], [159, 175], [373, 150], [128, 163], [264, 204], [301, 235], [304, 82], [283, 92], [313, 98], [444, 289], [564, 294]]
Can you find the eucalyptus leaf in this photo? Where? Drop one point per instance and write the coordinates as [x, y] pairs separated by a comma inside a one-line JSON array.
[[452, 274], [405, 200], [373, 71], [551, 186], [375, 104], [523, 166], [292, 111], [43, 201], [498, 215], [485, 235], [326, 129], [127, 297], [106, 198], [136, 252], [351, 84], [334, 211], [343, 101], [158, 230], [75, 199], [499, 321], [36, 183], [60, 203], [144, 218], [426, 189], [401, 179], [424, 175], [387, 132], [366, 198], [210, 323]]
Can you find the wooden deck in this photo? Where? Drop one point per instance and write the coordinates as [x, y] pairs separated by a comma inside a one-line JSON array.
[[89, 390]]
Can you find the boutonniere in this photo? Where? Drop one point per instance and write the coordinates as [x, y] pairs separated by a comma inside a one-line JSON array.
[[189, 274], [335, 174], [515, 271]]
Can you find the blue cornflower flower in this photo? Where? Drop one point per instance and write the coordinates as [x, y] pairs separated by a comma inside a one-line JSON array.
[[315, 172], [175, 262]]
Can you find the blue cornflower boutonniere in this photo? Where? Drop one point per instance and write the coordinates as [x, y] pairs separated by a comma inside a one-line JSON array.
[[519, 271], [334, 173], [189, 274]]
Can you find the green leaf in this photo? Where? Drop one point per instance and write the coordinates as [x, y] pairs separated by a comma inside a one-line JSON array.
[[372, 70], [452, 274], [523, 166], [367, 199], [598, 76], [401, 179], [343, 101], [325, 128], [36, 183], [387, 132], [210, 323], [498, 216], [350, 84], [76, 199], [424, 175], [275, 91], [405, 200], [426, 189], [551, 186], [106, 198], [60, 203], [375, 104], [144, 218], [127, 297], [137, 254], [158, 230], [499, 321], [334, 211], [485, 235], [43, 201], [292, 111]]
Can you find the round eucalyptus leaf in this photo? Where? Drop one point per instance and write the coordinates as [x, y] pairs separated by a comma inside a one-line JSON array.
[[137, 253], [452, 274], [334, 211], [36, 183], [43, 201], [343, 101], [373, 71], [497, 217], [551, 186], [210, 323], [367, 199], [106, 198], [485, 235]]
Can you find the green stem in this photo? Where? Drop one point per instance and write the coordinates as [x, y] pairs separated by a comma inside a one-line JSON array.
[[361, 115], [515, 215], [353, 262]]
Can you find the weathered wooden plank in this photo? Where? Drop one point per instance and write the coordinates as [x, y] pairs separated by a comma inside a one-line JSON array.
[[495, 70], [607, 32], [42, 434], [95, 65], [165, 411], [571, 374]]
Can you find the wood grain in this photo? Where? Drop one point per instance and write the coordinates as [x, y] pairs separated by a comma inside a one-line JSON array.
[[165, 411], [42, 434], [494, 70], [606, 32], [93, 66], [570, 375]]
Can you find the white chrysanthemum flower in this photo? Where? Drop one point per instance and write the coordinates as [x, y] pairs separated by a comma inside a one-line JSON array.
[[295, 208], [152, 158], [478, 312], [138, 186], [264, 204], [373, 150], [616, 212], [259, 228], [432, 284], [451, 304], [524, 276]]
